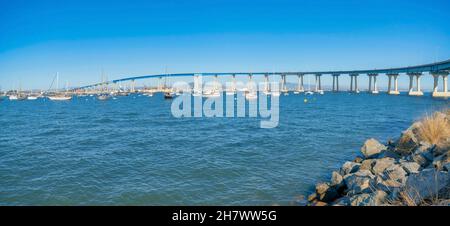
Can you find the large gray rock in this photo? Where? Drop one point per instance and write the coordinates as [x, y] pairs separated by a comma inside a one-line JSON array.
[[337, 180], [325, 192], [407, 143], [410, 167], [371, 148], [446, 167], [349, 167], [358, 159], [423, 158], [312, 197], [425, 184], [441, 160], [358, 182], [367, 164], [395, 173], [424, 146], [376, 198], [387, 185], [382, 164]]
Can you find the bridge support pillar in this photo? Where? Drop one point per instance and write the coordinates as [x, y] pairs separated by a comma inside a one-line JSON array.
[[395, 91], [318, 84], [335, 82], [411, 78], [444, 92], [351, 83], [283, 84], [300, 83], [413, 92], [373, 86], [355, 87]]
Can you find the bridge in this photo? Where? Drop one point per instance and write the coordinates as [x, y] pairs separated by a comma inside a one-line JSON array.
[[437, 70]]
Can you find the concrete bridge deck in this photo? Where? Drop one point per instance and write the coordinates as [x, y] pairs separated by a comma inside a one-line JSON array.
[[437, 70]]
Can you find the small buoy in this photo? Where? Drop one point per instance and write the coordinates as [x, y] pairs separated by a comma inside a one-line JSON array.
[[305, 100]]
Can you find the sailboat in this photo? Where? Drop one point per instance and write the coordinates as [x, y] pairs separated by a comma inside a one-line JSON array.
[[32, 97], [104, 95], [59, 96], [309, 92], [168, 95], [18, 95]]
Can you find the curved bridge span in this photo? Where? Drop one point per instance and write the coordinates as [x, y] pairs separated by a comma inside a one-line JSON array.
[[437, 70]]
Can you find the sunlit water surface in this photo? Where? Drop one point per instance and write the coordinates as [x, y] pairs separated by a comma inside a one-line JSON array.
[[132, 151]]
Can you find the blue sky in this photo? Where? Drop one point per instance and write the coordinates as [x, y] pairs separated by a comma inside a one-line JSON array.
[[80, 38]]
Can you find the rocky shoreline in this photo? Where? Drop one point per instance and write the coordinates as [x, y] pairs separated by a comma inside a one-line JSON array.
[[411, 171]]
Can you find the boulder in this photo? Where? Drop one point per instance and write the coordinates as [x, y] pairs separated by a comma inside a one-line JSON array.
[[410, 167], [349, 167], [326, 193], [358, 159], [395, 173], [442, 149], [423, 146], [358, 182], [321, 188], [371, 148], [387, 185], [423, 158], [367, 164], [376, 198], [312, 197], [446, 167], [425, 184], [407, 143], [441, 160], [337, 180], [381, 164]]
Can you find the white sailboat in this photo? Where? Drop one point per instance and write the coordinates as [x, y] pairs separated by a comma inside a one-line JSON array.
[[309, 92], [59, 96]]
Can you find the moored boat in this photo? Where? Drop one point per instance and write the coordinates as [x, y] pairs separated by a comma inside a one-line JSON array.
[[168, 95], [17, 97], [60, 97], [103, 97]]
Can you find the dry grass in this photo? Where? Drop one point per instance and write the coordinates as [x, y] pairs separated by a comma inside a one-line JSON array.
[[435, 129]]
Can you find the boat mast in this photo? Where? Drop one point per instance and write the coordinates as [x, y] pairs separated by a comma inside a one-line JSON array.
[[57, 81]]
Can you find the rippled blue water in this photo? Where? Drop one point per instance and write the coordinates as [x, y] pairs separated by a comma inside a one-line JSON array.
[[131, 151]]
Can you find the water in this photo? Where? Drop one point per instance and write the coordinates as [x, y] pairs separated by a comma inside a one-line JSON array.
[[131, 151]]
